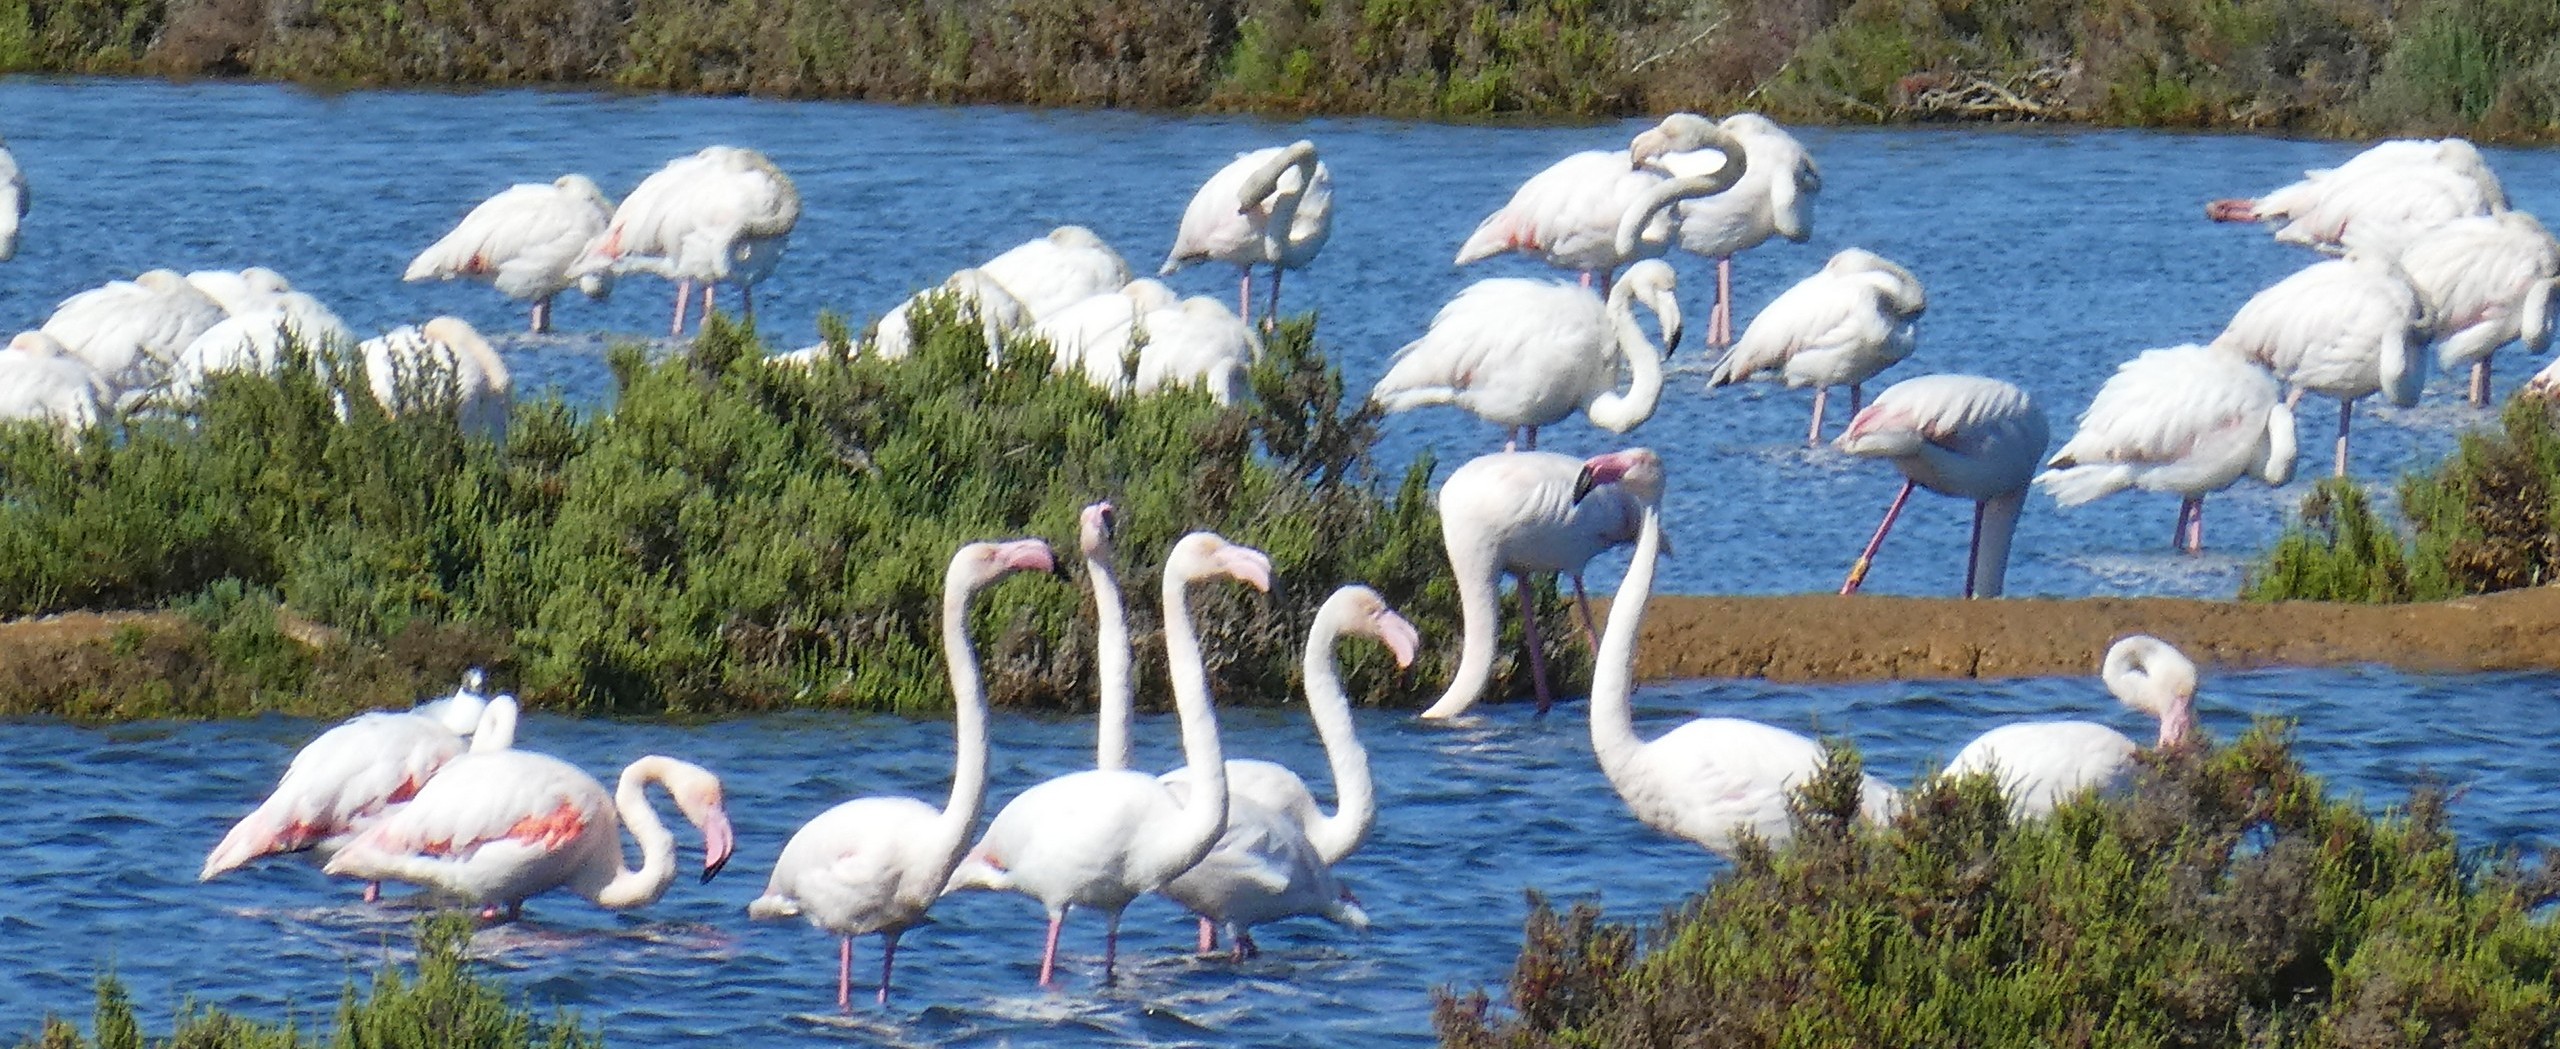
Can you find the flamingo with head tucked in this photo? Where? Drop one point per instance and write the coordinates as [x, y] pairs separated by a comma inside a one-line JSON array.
[[2485, 281], [43, 382], [722, 215], [1598, 210], [1050, 273], [2346, 328], [1524, 354], [1961, 435], [2041, 763], [1101, 838], [526, 241], [875, 865], [1773, 198], [2379, 199], [1853, 318], [2187, 419], [1270, 207], [131, 331]]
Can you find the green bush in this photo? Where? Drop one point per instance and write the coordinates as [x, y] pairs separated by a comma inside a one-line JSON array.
[[2226, 900], [445, 1005]]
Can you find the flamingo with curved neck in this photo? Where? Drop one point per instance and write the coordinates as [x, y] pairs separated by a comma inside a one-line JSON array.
[[1524, 354], [1599, 210], [1269, 207], [2040, 763], [1962, 435], [877, 864], [1115, 698], [1101, 838]]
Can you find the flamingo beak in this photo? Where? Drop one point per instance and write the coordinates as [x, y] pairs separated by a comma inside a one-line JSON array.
[[1400, 637], [1249, 566], [717, 841], [1030, 555]]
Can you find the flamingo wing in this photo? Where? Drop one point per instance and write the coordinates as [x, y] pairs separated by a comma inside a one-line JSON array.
[[339, 783], [484, 816]]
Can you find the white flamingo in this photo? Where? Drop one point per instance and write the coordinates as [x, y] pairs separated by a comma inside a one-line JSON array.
[[1196, 343], [2187, 419], [2041, 763], [2344, 328], [254, 340], [722, 215], [525, 242], [1270, 207], [1774, 198], [443, 364], [1099, 838], [1092, 336], [1115, 695], [41, 381], [998, 313], [2379, 199], [1960, 435], [1856, 316], [877, 864], [1711, 780], [1524, 354], [1519, 513], [2486, 281], [1597, 210], [242, 290], [493, 828], [13, 203], [1049, 273], [130, 331]]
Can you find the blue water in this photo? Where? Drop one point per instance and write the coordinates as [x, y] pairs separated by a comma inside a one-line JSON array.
[[101, 872], [2049, 255]]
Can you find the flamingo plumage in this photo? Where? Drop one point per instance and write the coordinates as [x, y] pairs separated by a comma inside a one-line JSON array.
[[2345, 328], [723, 215], [2186, 419], [1525, 353], [130, 331], [2485, 281], [254, 340], [1774, 197], [526, 242], [42, 381], [1269, 207], [1961, 435], [998, 313], [441, 365], [13, 203], [2041, 763], [1856, 316], [1599, 210], [242, 290], [1047, 274], [2379, 199]]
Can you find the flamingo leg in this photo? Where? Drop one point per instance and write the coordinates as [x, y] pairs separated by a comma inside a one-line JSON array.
[[1537, 651], [1813, 437], [2480, 383], [2346, 411], [1720, 322], [1866, 560], [747, 302], [1608, 278], [2195, 528], [1532, 442], [1857, 397], [1586, 278], [844, 976], [542, 315], [1590, 626], [707, 288], [373, 892], [888, 965], [1245, 947], [1049, 954], [1208, 937], [684, 299], [1973, 551], [1244, 292], [1271, 316], [1111, 952], [2178, 531]]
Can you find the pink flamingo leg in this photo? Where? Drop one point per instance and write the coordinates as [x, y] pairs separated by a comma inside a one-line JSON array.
[[1590, 626], [373, 892], [2195, 529], [707, 289], [844, 976], [1208, 937], [1244, 293], [542, 315], [888, 965], [684, 300], [1049, 954], [1586, 278], [1720, 323], [1537, 651], [2346, 410], [1866, 560], [1813, 437]]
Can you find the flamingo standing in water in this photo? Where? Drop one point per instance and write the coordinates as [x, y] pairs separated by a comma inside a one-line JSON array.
[[722, 215], [1960, 435], [1524, 354], [1270, 207], [1519, 513], [1101, 838], [1774, 197], [1711, 780], [13, 203], [1598, 210], [2187, 419], [1050, 273], [2485, 281], [1856, 316], [2379, 199], [2041, 763], [525, 242], [877, 864], [2346, 328]]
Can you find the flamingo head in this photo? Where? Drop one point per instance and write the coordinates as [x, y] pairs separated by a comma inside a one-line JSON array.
[[1638, 470], [1267, 181], [1200, 555], [1654, 283], [697, 794], [1677, 133], [979, 564], [1096, 529], [2152, 676], [1361, 610]]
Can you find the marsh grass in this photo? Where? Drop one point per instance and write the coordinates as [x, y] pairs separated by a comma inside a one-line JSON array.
[[2226, 900], [444, 1004], [732, 535]]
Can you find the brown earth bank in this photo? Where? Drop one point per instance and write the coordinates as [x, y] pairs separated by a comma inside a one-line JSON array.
[[136, 664]]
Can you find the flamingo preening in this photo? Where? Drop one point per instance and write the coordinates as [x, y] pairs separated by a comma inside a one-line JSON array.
[[525, 242], [1774, 197], [1047, 274], [1524, 353], [722, 215], [1856, 316], [1270, 207], [2345, 328], [1961, 435], [2485, 281], [2041, 763], [2187, 419], [1597, 211]]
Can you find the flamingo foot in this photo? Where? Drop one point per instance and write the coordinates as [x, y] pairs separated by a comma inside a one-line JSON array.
[[1208, 937]]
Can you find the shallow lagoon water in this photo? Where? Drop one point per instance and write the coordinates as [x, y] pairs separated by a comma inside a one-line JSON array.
[[118, 818], [2050, 254]]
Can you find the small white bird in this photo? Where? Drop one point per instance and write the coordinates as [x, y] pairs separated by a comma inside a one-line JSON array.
[[2379, 199], [999, 314], [40, 381], [722, 215], [1048, 274], [2041, 763], [525, 242], [1773, 198], [443, 365], [1960, 435], [13, 203], [2187, 419], [2344, 328], [1598, 210], [1524, 354], [2486, 281], [1270, 207], [1853, 318], [130, 331]]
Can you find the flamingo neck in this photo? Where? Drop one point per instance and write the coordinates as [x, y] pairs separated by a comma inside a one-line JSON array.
[[1613, 669], [1115, 697], [497, 728], [968, 726], [1202, 814], [1479, 575], [1623, 412], [1282, 219], [1995, 523], [639, 888], [1355, 798]]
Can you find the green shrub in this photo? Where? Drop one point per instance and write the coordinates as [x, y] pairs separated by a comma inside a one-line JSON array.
[[445, 1004], [2226, 900]]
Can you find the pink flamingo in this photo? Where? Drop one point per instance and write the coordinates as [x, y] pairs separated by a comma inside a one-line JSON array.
[[1270, 207], [2188, 419], [1960, 435], [2040, 763]]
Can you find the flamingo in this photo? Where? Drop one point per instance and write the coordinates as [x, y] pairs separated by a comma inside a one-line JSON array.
[[357, 773], [1115, 698], [1093, 335], [242, 290], [524, 242], [1774, 196], [1856, 316], [442, 363], [1049, 273], [2345, 328], [1270, 207], [1517, 513], [2485, 281], [998, 314], [2040, 763], [2381, 198], [1234, 886], [1597, 210], [1711, 780], [721, 215], [492, 828], [1959, 435], [1198, 343], [877, 864], [1102, 838], [131, 330], [2187, 419], [1525, 354], [13, 203], [42, 381], [254, 340]]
